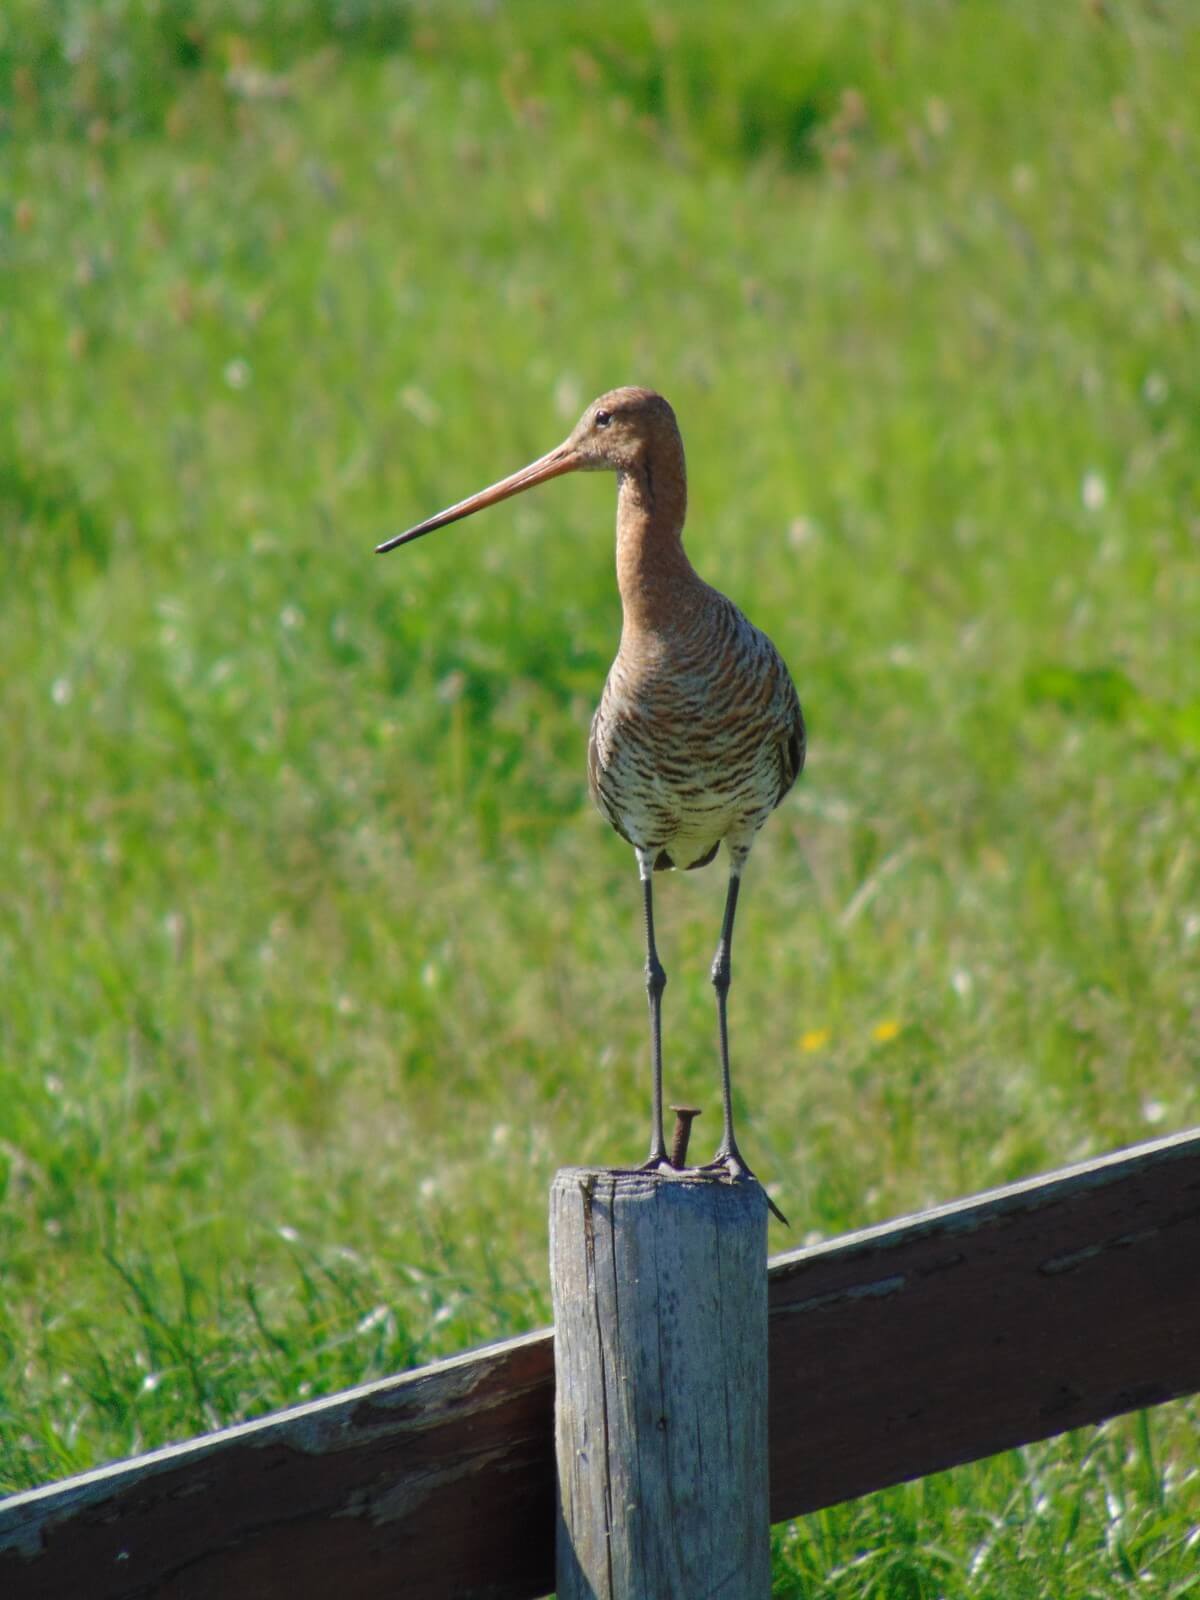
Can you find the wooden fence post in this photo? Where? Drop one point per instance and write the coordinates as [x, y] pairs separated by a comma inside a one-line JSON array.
[[660, 1312]]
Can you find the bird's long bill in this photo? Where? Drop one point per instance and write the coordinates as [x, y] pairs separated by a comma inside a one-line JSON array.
[[560, 460]]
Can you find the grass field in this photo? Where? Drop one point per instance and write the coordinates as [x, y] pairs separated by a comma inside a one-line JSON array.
[[314, 961]]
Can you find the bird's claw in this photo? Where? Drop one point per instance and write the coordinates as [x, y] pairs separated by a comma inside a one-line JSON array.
[[658, 1161], [731, 1161], [728, 1161]]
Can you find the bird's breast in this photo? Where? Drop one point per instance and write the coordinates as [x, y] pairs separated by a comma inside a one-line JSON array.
[[685, 747]]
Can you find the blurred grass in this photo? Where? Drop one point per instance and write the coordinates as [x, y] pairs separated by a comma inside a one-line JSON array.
[[314, 962]]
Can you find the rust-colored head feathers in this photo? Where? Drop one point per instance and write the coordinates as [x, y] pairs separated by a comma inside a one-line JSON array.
[[623, 429]]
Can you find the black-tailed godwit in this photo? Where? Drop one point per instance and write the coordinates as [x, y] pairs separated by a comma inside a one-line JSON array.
[[699, 733]]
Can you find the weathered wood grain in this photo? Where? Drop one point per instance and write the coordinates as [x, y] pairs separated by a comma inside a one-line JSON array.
[[436, 1483], [894, 1352], [985, 1324], [660, 1319]]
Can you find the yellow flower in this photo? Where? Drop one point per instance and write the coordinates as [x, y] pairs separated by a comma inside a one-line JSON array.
[[814, 1038], [884, 1032]]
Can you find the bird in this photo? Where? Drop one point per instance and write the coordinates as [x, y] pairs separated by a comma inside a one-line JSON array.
[[699, 733]]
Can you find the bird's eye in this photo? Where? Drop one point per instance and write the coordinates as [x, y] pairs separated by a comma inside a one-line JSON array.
[[603, 418]]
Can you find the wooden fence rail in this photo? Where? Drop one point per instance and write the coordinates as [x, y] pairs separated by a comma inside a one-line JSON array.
[[894, 1352]]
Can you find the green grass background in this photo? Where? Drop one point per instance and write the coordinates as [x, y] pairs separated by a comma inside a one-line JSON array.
[[314, 961]]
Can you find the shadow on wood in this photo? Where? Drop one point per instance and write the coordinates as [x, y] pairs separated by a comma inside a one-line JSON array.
[[893, 1353]]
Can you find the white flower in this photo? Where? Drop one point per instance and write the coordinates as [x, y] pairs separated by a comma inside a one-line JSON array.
[[1093, 491]]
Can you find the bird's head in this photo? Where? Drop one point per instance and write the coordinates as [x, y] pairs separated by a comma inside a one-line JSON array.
[[621, 429], [619, 432]]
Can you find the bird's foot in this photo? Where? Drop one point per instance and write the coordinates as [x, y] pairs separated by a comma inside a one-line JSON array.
[[732, 1161], [657, 1161]]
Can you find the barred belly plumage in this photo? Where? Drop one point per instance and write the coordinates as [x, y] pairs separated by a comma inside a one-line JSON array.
[[697, 738]]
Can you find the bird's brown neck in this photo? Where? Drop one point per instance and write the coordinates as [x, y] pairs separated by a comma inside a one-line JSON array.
[[653, 571]]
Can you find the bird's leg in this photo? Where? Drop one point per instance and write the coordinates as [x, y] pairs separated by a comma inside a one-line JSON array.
[[656, 982], [728, 1155]]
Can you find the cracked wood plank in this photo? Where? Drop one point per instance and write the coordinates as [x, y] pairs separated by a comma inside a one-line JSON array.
[[893, 1353], [425, 1485]]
